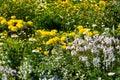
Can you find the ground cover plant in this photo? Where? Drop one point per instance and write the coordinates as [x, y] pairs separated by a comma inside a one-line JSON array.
[[59, 40]]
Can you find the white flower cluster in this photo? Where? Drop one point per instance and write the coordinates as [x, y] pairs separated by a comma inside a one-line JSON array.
[[6, 70], [101, 46]]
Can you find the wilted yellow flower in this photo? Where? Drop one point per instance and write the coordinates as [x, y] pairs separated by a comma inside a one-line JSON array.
[[46, 52], [13, 17], [95, 32]]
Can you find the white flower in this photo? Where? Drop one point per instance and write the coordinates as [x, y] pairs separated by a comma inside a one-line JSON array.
[[111, 74], [83, 58], [96, 61], [94, 25], [68, 48], [32, 39], [1, 68], [1, 43], [73, 52], [14, 36], [35, 51]]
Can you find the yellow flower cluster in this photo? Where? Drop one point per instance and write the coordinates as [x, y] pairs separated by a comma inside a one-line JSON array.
[[14, 24], [52, 40], [101, 2], [46, 33], [86, 31], [3, 20]]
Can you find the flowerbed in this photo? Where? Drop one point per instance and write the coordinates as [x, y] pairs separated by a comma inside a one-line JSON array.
[[59, 40]]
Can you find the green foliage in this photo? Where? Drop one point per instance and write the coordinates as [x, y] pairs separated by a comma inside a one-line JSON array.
[[22, 10]]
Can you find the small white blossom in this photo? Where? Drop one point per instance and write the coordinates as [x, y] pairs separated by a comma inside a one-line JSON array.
[[83, 58], [111, 74], [14, 36], [32, 39], [35, 51], [1, 43], [73, 52]]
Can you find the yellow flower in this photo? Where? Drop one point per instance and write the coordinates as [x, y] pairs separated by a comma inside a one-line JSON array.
[[53, 32], [46, 52], [13, 17], [80, 27], [72, 34], [1, 18], [39, 48], [102, 3], [63, 38], [70, 44], [4, 21], [10, 22], [84, 31], [10, 26], [30, 23], [20, 21], [89, 34], [64, 47], [14, 29], [20, 26], [95, 32], [50, 41], [56, 38]]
